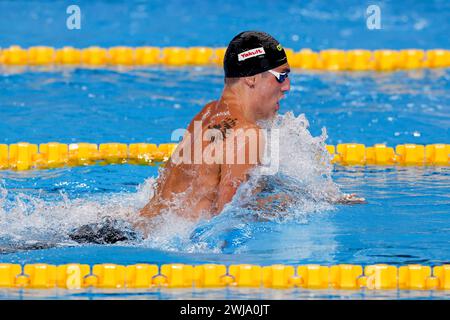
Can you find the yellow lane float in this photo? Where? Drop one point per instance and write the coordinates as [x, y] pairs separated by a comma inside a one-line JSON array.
[[74, 276], [25, 156], [325, 60]]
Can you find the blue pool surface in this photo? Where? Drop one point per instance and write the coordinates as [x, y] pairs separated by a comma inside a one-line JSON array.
[[406, 219]]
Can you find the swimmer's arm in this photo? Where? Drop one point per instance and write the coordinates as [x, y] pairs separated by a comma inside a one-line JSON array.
[[332, 195], [232, 176], [349, 199], [282, 198], [150, 210]]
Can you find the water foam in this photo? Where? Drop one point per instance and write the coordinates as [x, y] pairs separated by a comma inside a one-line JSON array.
[[31, 222], [301, 187], [304, 179]]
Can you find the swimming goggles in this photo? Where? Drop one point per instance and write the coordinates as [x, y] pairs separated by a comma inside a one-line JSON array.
[[280, 76]]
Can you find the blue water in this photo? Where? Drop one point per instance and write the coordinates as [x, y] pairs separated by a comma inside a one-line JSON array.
[[313, 24], [405, 221]]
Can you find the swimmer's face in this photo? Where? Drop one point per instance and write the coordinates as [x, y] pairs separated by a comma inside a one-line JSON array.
[[269, 91]]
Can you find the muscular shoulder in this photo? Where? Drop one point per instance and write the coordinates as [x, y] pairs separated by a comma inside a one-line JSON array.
[[206, 111]]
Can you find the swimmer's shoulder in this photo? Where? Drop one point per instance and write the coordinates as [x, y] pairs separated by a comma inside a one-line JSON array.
[[218, 115], [202, 115], [206, 111], [242, 123]]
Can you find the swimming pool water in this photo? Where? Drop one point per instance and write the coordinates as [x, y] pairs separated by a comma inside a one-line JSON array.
[[405, 221]]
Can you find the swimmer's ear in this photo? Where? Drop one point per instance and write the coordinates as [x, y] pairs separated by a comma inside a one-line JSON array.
[[250, 81]]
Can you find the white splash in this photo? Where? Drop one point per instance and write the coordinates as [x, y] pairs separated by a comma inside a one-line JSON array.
[[304, 177], [25, 218], [304, 180]]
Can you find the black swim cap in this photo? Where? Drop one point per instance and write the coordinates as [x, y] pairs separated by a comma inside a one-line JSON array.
[[252, 52]]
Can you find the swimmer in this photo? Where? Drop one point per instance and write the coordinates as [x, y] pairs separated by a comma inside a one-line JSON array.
[[256, 79]]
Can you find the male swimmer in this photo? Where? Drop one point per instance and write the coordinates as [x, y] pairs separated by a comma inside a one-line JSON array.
[[192, 185], [256, 79]]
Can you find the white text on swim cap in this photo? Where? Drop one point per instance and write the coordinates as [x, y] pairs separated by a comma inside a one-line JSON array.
[[251, 53]]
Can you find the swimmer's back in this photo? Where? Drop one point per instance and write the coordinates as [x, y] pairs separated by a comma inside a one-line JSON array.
[[192, 183]]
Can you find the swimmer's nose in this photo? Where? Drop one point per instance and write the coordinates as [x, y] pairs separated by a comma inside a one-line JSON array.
[[286, 85]]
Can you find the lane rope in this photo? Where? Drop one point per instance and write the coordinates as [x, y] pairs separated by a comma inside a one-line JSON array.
[[25, 156], [278, 276], [325, 60]]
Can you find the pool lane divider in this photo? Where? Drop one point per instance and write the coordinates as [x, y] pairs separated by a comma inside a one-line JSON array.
[[146, 276], [25, 156], [325, 60]]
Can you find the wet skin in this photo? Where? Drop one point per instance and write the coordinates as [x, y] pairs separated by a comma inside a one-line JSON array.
[[195, 189], [192, 190]]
